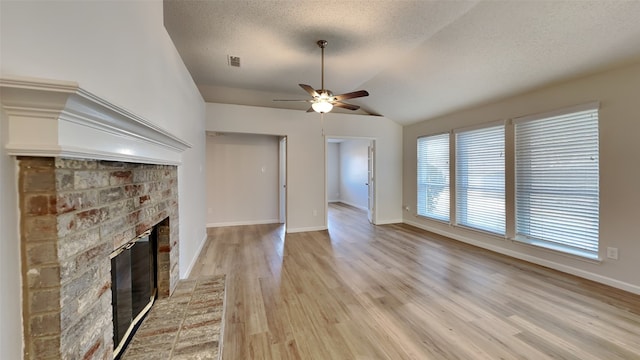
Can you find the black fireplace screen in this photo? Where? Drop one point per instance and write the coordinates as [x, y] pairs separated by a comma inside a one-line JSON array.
[[133, 286]]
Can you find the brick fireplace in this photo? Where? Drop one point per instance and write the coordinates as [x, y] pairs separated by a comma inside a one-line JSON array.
[[91, 176], [74, 213]]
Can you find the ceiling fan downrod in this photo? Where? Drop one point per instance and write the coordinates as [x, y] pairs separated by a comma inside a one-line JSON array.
[[322, 44]]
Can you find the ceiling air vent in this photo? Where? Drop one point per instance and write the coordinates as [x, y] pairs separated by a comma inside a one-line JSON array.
[[234, 60]]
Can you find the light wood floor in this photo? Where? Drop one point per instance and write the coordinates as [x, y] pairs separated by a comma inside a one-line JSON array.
[[361, 291]]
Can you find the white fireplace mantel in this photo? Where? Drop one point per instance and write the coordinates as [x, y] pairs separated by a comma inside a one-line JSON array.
[[59, 119]]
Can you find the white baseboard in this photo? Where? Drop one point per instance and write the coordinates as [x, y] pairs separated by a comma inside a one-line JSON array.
[[533, 259], [314, 228], [389, 222], [245, 222], [195, 257], [354, 205]]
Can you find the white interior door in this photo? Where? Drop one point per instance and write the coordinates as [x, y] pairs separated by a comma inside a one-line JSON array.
[[283, 180], [370, 182]]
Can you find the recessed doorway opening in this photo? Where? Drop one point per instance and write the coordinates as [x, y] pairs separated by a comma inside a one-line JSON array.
[[350, 164], [246, 179]]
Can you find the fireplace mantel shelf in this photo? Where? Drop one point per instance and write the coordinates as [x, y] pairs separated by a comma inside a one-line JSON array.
[[60, 119]]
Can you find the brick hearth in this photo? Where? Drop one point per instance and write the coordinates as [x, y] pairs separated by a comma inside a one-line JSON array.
[[73, 214]]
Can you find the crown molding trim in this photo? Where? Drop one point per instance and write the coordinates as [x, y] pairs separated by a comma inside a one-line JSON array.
[[60, 119]]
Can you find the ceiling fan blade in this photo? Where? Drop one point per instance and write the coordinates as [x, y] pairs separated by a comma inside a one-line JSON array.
[[310, 110], [310, 90], [351, 95], [346, 106]]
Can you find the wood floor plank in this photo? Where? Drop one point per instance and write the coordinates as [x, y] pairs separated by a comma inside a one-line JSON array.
[[360, 291]]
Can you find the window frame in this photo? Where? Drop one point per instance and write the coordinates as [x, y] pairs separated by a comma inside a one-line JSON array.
[[447, 186], [457, 198], [558, 245], [512, 232]]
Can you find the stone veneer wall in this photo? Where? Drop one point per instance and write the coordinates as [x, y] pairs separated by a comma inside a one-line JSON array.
[[73, 214]]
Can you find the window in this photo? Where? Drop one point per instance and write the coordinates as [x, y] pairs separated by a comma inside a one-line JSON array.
[[557, 189], [433, 177], [480, 193]]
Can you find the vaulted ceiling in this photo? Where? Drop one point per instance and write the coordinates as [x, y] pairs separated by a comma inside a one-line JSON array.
[[417, 59]]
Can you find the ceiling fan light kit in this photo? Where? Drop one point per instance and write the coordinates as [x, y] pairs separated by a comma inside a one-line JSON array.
[[323, 100], [322, 106]]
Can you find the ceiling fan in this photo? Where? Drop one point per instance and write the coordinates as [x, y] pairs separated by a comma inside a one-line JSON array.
[[323, 99]]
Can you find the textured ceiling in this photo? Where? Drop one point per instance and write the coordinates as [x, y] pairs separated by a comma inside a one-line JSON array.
[[417, 59]]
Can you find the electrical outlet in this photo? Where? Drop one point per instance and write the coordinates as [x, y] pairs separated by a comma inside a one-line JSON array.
[[612, 253]]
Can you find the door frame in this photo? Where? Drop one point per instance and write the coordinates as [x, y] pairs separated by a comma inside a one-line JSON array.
[[282, 180], [371, 212], [371, 180]]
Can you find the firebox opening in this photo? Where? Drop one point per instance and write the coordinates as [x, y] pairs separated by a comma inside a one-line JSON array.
[[134, 285]]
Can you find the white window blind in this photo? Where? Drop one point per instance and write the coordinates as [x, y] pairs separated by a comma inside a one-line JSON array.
[[557, 187], [480, 193], [433, 177]]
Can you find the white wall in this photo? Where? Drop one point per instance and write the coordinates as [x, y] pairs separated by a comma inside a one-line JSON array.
[[119, 51], [242, 179], [306, 155], [333, 172], [353, 173], [617, 92]]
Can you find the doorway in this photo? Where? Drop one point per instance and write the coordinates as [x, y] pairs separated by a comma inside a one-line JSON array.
[[350, 171], [245, 175]]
